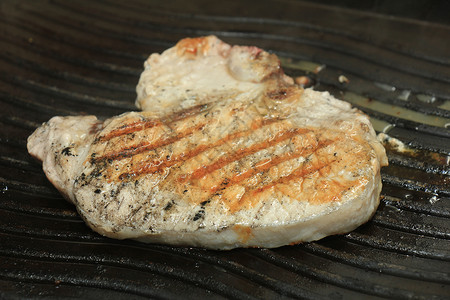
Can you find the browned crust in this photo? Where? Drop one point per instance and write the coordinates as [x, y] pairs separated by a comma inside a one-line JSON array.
[[213, 178]]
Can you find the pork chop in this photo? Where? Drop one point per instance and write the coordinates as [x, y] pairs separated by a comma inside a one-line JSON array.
[[228, 153]]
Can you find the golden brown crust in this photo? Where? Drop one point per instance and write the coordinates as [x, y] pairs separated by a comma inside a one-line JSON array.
[[254, 169]]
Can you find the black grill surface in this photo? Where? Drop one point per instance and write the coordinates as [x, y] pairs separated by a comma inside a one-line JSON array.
[[84, 57]]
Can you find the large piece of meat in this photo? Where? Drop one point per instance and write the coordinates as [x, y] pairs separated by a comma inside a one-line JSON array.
[[228, 153]]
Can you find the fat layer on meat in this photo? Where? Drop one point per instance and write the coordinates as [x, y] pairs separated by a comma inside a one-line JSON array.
[[228, 153]]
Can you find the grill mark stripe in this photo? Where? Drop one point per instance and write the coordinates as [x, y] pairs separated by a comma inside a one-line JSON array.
[[301, 171], [241, 153], [144, 124], [134, 150], [159, 165], [128, 128], [185, 113], [263, 166]]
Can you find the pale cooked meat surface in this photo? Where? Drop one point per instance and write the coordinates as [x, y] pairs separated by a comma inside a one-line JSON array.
[[235, 155]]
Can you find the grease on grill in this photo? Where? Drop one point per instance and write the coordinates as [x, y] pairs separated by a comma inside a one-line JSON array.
[[395, 146]]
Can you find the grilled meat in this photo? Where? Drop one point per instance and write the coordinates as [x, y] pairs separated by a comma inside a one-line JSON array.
[[229, 153]]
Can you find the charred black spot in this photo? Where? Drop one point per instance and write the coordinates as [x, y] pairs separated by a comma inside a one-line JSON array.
[[168, 206], [92, 160], [185, 191], [221, 229], [200, 214], [96, 173], [98, 191], [205, 202], [67, 152]]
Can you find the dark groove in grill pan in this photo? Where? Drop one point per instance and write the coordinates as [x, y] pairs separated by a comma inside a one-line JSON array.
[[377, 266], [68, 58], [335, 279], [60, 93], [44, 71], [91, 11], [277, 37], [76, 274], [239, 20]]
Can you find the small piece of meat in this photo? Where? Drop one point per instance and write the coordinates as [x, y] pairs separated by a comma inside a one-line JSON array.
[[229, 153]]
